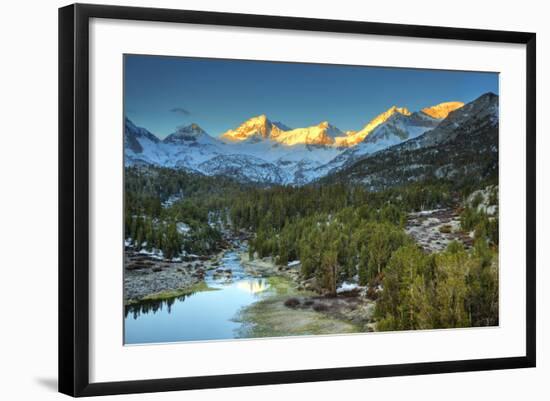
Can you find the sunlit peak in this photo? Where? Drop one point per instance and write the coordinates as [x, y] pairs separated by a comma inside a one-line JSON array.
[[442, 110]]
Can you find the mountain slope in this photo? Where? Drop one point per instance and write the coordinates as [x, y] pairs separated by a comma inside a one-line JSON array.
[[483, 109], [189, 133], [256, 128], [397, 128], [263, 151], [354, 138], [463, 146], [442, 110], [321, 134], [140, 146], [261, 128], [244, 168], [185, 148]]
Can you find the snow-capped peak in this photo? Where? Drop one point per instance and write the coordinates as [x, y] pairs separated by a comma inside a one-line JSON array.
[[354, 137], [133, 131], [189, 132], [442, 110], [330, 129], [261, 150], [382, 117], [258, 126], [323, 133], [191, 129]]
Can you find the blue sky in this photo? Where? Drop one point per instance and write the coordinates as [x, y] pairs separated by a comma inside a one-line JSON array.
[[162, 93]]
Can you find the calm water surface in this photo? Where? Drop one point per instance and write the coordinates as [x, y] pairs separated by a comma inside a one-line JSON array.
[[204, 315]]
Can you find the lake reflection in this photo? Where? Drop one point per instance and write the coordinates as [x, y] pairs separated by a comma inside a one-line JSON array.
[[206, 315], [252, 286]]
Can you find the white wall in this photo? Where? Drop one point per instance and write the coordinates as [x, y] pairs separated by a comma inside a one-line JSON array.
[[28, 200]]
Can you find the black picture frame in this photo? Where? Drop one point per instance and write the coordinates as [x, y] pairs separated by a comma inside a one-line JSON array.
[[74, 198]]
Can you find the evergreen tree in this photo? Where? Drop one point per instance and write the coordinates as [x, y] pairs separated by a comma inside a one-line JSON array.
[[404, 304], [363, 266], [329, 271]]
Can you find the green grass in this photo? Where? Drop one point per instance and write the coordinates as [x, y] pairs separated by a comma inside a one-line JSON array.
[[175, 293], [269, 317], [281, 285]]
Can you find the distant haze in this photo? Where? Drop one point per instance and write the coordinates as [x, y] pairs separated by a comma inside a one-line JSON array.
[[162, 93]]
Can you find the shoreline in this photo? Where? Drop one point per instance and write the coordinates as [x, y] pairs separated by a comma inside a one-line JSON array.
[[171, 294], [288, 308], [147, 278], [275, 316]]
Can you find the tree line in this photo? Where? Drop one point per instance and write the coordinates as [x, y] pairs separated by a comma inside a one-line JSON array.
[[338, 232], [341, 233], [175, 211]]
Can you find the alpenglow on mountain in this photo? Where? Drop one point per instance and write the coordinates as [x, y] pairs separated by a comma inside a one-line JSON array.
[[261, 128], [462, 147], [263, 151]]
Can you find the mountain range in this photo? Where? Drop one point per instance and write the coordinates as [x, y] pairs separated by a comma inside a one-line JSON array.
[[268, 152], [463, 149]]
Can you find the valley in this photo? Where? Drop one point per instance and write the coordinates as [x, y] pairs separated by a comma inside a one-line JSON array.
[[269, 231]]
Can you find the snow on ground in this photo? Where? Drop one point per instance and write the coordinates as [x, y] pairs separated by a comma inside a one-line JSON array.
[[486, 200], [296, 156], [434, 229], [153, 253], [345, 286], [182, 228]]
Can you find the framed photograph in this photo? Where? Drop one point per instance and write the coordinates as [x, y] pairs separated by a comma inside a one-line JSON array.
[[250, 199]]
